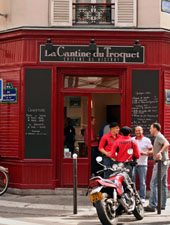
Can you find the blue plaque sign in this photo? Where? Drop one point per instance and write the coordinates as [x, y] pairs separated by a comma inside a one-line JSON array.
[[1, 89], [9, 94], [166, 6], [167, 97]]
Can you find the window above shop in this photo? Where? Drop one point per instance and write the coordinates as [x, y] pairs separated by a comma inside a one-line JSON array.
[[93, 12], [91, 82], [90, 13]]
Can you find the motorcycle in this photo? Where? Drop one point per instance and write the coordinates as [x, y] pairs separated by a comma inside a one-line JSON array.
[[116, 195]]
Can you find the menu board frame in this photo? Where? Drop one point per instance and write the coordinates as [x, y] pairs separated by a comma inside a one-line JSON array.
[[38, 113], [145, 99]]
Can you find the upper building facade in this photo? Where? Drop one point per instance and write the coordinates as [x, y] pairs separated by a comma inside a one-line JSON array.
[[85, 13]]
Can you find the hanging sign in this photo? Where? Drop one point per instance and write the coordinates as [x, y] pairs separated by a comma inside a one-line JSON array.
[[102, 54], [9, 94]]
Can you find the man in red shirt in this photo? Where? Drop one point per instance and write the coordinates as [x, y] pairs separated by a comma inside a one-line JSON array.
[[119, 150], [106, 144]]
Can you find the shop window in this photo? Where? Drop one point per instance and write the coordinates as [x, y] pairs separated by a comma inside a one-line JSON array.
[[93, 12], [91, 82]]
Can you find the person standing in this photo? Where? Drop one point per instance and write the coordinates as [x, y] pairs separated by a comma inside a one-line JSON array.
[[119, 150], [106, 144], [144, 145], [160, 152], [69, 135], [101, 131], [93, 144]]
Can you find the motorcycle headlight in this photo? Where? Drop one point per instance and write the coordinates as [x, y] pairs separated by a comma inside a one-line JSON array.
[[114, 166], [121, 165]]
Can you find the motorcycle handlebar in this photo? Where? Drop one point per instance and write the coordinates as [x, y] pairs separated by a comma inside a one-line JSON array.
[[105, 169], [132, 163]]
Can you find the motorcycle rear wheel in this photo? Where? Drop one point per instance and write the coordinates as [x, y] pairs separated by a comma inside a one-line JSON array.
[[104, 213]]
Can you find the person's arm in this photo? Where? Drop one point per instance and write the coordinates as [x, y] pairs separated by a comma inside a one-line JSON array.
[[163, 149], [102, 144], [149, 153], [104, 152]]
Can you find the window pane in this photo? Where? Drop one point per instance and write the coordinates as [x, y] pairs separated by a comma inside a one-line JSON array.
[[91, 82], [93, 1], [93, 12], [83, 1], [103, 1], [75, 123]]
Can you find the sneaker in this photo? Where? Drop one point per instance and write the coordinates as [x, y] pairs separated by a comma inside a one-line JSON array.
[[143, 200], [148, 209]]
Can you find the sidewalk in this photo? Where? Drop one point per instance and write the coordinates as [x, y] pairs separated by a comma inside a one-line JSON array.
[[61, 206]]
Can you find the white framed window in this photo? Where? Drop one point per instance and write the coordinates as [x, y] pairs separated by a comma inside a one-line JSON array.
[[120, 13], [93, 12]]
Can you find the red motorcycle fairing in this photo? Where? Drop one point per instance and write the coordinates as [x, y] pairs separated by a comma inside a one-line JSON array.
[[114, 182]]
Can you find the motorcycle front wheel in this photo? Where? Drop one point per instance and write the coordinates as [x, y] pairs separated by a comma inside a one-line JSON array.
[[105, 212], [139, 211]]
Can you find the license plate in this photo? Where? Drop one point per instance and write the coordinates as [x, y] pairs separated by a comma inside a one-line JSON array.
[[96, 197]]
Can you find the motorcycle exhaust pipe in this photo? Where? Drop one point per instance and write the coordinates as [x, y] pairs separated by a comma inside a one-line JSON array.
[[124, 206]]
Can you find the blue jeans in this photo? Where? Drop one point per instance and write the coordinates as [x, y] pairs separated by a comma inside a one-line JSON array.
[[154, 186], [108, 163], [141, 170]]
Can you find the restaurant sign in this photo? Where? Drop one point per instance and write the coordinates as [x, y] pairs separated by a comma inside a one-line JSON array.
[[102, 54]]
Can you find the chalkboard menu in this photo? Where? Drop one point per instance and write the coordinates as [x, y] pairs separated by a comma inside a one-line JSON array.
[[38, 113], [145, 98]]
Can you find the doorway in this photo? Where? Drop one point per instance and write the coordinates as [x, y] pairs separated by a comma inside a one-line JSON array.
[[78, 110]]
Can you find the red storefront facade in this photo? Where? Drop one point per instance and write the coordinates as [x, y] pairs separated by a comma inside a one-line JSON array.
[[32, 127]]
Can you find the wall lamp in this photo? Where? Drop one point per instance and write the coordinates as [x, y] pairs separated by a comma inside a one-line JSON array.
[[92, 46], [5, 15], [49, 46], [137, 47]]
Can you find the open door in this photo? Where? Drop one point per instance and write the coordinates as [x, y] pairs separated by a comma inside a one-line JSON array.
[[78, 110], [77, 114]]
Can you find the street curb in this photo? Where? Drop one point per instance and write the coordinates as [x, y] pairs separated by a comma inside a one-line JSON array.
[[57, 191]]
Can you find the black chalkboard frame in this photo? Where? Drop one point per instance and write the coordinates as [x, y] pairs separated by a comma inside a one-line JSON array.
[[145, 99], [37, 113]]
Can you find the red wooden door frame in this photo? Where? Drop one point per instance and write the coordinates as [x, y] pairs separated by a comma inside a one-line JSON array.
[[85, 92]]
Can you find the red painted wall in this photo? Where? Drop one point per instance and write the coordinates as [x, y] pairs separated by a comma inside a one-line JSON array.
[[20, 49], [10, 123]]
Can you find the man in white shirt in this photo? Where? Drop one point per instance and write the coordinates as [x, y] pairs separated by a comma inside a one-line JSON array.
[[144, 145]]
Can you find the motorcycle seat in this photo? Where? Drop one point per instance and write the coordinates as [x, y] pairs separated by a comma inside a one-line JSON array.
[[108, 181], [105, 180]]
